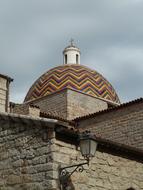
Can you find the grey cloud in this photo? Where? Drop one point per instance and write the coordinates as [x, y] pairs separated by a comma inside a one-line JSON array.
[[109, 33]]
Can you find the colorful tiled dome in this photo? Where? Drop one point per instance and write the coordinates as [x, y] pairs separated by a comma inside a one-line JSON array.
[[76, 77]]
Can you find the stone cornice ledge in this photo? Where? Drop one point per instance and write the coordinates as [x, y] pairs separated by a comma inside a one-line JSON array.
[[28, 119]]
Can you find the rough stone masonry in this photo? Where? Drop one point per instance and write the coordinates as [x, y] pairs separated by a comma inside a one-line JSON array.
[[31, 154]]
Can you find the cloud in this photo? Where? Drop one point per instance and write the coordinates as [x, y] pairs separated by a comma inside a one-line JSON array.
[[122, 67], [109, 33]]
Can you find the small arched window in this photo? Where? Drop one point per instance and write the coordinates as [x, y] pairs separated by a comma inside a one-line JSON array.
[[76, 58], [65, 58], [130, 188]]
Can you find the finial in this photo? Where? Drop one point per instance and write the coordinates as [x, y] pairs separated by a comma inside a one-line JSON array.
[[72, 42]]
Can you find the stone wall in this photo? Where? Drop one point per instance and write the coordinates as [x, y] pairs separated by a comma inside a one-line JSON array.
[[31, 155], [80, 104], [54, 104], [107, 171], [26, 161], [124, 125], [69, 104], [25, 109]]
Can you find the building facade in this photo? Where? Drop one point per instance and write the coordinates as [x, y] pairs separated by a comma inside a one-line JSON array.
[[41, 135]]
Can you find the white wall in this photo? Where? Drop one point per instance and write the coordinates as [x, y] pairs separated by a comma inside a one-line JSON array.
[[71, 56]]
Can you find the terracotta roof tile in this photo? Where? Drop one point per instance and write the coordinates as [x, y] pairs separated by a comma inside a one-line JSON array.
[[121, 106], [54, 115]]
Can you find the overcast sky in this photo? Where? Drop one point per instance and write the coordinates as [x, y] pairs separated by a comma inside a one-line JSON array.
[[109, 33]]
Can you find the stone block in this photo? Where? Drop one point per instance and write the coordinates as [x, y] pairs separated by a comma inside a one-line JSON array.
[[13, 179], [51, 184]]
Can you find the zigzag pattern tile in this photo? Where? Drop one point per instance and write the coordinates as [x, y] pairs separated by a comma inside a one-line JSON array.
[[76, 77]]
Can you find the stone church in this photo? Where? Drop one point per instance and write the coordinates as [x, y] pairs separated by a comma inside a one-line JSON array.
[[40, 139]]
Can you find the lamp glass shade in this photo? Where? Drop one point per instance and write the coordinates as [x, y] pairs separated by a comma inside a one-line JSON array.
[[93, 147], [85, 147], [88, 147]]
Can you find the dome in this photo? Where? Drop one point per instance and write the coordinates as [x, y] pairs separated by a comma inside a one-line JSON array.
[[72, 76]]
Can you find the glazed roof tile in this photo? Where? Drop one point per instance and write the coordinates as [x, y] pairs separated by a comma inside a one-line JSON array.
[[76, 77]]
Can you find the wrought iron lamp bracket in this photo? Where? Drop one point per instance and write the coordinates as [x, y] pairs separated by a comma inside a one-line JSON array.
[[66, 172]]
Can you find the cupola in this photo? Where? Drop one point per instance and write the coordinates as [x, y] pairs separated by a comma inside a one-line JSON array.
[[71, 54], [72, 75]]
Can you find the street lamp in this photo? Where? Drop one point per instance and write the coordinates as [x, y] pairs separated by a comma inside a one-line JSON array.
[[88, 146]]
